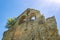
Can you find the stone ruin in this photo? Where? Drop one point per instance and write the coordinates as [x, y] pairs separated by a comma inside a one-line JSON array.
[[32, 25]]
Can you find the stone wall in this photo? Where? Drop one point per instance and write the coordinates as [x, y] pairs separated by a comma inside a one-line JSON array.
[[37, 29]]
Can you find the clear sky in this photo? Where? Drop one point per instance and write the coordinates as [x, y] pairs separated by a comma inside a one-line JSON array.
[[12, 8]]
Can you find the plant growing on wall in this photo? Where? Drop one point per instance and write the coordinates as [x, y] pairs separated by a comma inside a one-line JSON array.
[[10, 22]]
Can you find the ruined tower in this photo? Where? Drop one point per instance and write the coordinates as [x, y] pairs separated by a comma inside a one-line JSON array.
[[32, 25]]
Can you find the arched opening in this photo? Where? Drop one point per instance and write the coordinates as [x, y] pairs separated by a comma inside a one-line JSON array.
[[22, 19], [33, 18], [28, 12]]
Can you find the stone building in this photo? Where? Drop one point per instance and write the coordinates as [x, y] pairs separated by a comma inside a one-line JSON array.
[[32, 25]]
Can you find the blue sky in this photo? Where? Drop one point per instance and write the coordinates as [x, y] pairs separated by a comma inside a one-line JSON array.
[[12, 8]]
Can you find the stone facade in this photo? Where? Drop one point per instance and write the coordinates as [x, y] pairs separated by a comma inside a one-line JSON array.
[[31, 25]]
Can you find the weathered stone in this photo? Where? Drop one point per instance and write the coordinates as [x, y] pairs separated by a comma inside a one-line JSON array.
[[37, 29]]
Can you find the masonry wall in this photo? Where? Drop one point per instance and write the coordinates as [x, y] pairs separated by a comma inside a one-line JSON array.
[[26, 28]]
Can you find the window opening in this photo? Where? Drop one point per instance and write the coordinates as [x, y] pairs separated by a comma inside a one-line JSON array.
[[33, 18]]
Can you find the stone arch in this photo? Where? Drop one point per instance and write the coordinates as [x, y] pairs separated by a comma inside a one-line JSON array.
[[32, 16], [28, 11], [22, 19]]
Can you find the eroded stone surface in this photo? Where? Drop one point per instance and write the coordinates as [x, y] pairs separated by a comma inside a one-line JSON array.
[[37, 29]]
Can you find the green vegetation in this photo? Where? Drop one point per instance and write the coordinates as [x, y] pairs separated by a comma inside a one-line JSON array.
[[10, 22]]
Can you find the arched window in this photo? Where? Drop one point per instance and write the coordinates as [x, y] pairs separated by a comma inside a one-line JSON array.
[[22, 19], [33, 18]]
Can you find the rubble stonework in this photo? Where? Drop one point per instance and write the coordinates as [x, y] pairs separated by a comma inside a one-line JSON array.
[[32, 25]]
